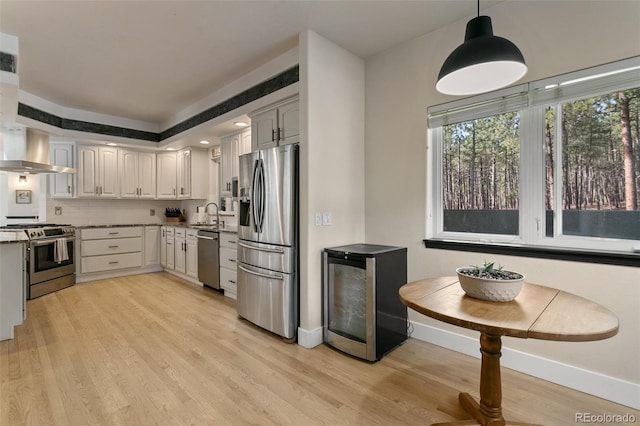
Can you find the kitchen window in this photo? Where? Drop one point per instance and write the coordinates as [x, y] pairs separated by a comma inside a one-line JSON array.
[[549, 166]]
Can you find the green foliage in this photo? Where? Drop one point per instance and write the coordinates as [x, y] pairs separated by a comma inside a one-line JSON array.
[[488, 270]]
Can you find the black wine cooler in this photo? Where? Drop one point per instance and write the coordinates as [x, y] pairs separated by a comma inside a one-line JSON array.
[[363, 315]]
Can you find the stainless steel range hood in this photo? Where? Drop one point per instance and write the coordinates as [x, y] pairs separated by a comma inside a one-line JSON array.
[[34, 152]]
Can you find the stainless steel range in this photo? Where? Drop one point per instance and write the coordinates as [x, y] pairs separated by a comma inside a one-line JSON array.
[[50, 257]]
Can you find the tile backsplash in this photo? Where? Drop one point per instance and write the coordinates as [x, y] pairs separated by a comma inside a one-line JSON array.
[[107, 212]]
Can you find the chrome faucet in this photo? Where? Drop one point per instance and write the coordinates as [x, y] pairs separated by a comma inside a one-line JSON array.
[[206, 211]]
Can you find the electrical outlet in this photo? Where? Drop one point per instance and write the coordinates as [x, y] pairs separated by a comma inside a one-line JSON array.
[[318, 219], [326, 218], [58, 210], [152, 212]]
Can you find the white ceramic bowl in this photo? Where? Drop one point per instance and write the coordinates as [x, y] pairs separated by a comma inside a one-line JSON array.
[[490, 289]]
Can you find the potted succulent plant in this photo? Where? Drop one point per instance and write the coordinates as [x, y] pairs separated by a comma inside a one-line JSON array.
[[488, 282]]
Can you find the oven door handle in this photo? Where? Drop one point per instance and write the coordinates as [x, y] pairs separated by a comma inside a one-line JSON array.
[[50, 241]]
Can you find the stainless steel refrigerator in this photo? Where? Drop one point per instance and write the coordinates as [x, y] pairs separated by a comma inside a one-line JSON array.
[[268, 239]]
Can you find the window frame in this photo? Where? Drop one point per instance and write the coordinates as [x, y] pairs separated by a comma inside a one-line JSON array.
[[531, 100]]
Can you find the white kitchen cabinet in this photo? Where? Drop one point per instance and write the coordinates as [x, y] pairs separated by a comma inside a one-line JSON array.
[[276, 125], [12, 288], [166, 175], [97, 171], [62, 154], [228, 163], [231, 147], [244, 144], [152, 241], [183, 174], [191, 247], [137, 174], [228, 263], [180, 250], [163, 246], [110, 249], [170, 261]]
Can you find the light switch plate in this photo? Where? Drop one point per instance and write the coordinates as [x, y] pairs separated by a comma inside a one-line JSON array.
[[326, 218], [318, 219], [58, 210]]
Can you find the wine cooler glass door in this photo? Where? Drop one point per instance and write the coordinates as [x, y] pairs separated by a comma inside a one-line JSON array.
[[348, 299]]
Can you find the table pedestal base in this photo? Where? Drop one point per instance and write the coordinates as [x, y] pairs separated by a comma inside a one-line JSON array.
[[489, 411]]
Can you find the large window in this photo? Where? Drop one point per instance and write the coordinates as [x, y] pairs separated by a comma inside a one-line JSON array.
[[554, 163]]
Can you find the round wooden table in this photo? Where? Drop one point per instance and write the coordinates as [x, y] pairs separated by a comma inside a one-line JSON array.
[[537, 313]]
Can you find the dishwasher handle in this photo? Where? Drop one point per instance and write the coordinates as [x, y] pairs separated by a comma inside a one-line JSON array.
[[202, 237]]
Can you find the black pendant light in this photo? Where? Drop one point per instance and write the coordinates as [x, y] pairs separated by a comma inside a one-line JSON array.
[[482, 63]]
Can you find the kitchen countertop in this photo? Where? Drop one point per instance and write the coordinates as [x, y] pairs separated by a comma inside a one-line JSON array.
[[9, 237], [227, 228]]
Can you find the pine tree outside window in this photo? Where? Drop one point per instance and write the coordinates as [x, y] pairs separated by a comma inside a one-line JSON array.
[[553, 163]]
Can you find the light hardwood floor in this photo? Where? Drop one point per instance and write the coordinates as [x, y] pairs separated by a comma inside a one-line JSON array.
[[153, 349]]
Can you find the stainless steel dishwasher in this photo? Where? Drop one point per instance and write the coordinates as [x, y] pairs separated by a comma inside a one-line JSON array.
[[209, 258]]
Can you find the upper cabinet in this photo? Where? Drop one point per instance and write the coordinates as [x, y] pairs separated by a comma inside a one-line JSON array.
[[276, 125], [62, 154], [231, 147], [166, 173], [183, 174], [137, 174], [97, 171]]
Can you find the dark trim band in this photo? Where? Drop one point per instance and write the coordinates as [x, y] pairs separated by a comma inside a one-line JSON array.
[[267, 87], [607, 258]]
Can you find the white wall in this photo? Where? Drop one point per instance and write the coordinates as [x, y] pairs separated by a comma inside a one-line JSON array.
[[555, 37], [331, 164]]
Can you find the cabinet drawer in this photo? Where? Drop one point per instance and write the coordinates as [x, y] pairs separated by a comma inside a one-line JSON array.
[[228, 282], [192, 233], [110, 246], [169, 230], [115, 232], [180, 232], [111, 262], [229, 240], [228, 258]]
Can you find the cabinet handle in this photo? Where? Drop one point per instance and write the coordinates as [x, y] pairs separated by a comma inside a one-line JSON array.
[[163, 233], [114, 233], [232, 281], [232, 260], [114, 262], [279, 136], [114, 246], [273, 135], [174, 191], [68, 189], [97, 192], [101, 191]]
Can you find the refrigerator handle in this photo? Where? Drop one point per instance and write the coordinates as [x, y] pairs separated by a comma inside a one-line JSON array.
[[273, 277], [262, 194], [268, 250], [254, 197]]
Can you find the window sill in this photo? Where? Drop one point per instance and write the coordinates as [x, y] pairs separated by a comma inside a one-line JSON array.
[[607, 258]]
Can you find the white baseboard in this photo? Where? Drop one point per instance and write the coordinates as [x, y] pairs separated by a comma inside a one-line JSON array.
[[610, 388], [310, 338], [83, 278]]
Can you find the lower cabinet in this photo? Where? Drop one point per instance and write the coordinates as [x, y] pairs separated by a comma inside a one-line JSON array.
[[179, 250], [108, 249], [228, 264], [192, 253], [151, 246]]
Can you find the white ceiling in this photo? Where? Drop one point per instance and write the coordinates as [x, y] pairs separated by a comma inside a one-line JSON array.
[[147, 60]]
